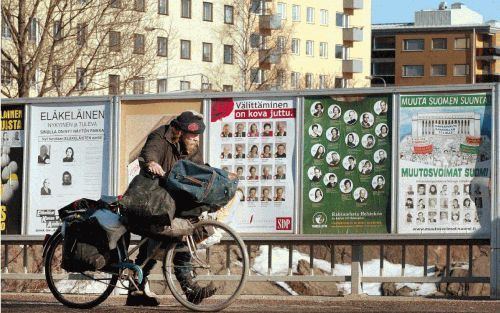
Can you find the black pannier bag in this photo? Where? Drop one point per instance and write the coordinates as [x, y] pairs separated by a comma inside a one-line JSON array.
[[85, 244]]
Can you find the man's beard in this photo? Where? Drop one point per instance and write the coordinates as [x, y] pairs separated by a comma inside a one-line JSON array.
[[189, 146]]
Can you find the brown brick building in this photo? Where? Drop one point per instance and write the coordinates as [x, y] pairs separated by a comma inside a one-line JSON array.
[[444, 46]]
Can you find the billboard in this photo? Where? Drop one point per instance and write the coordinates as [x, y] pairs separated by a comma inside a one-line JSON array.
[[12, 169], [255, 138], [444, 163], [69, 159], [346, 165]]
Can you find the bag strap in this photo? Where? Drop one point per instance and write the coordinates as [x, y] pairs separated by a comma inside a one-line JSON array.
[[191, 179]]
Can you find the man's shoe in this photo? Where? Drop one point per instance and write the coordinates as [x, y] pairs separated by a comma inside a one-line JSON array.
[[197, 294], [140, 298]]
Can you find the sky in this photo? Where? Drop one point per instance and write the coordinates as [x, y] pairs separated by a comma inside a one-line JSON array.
[[402, 11]]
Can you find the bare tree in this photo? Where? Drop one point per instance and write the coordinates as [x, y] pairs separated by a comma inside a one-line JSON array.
[[260, 46], [68, 47]]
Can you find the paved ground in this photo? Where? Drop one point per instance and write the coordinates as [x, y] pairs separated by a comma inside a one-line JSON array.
[[45, 303]]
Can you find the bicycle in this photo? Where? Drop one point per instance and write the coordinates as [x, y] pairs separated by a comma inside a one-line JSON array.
[[88, 289]]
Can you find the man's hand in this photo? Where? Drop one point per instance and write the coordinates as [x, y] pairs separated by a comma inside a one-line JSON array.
[[155, 168]]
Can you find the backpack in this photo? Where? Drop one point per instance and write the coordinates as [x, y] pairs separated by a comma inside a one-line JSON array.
[[85, 244], [202, 183]]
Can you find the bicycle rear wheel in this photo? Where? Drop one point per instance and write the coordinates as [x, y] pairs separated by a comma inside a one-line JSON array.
[[217, 262], [75, 290]]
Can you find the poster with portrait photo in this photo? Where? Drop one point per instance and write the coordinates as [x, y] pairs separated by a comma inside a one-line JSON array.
[[71, 159], [351, 159], [445, 149], [263, 141]]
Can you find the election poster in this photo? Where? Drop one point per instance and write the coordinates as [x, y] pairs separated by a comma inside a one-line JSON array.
[[12, 169], [444, 163], [69, 159], [255, 139], [347, 168]]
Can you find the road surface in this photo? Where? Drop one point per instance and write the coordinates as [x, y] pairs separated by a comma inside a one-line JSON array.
[[45, 303]]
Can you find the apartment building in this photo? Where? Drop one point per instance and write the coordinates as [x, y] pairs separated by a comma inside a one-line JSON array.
[[159, 46], [329, 42], [448, 45]]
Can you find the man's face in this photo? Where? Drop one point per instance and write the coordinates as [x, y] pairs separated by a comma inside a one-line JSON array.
[[239, 149], [252, 171], [266, 171], [315, 128], [365, 118], [362, 193], [351, 161], [351, 115], [66, 179], [380, 181], [347, 185], [383, 106], [239, 171], [226, 129], [445, 188], [191, 142], [279, 192], [281, 149], [252, 193], [281, 127], [226, 150], [455, 188], [381, 154], [317, 173], [280, 170], [421, 190], [239, 128], [370, 141], [265, 192], [45, 184]]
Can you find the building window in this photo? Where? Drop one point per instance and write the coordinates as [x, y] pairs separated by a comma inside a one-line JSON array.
[[413, 70], [282, 10], [186, 8], [80, 79], [295, 46], [114, 41], [340, 19], [256, 41], [310, 15], [5, 30], [33, 29], [228, 54], [384, 43], [56, 75], [138, 85], [116, 4], [296, 13], [207, 52], [322, 81], [162, 50], [227, 88], [323, 50], [413, 45], [206, 86], [161, 85], [280, 78], [323, 17], [185, 85], [6, 72], [114, 84], [185, 49], [309, 48], [339, 51], [281, 44], [257, 7], [294, 79], [228, 14], [138, 44], [57, 31], [81, 34], [461, 43], [256, 75], [439, 44], [383, 68], [309, 80], [163, 7], [208, 11], [340, 82], [461, 69], [140, 5], [438, 70]]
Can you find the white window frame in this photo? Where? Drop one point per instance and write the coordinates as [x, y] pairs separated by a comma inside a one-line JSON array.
[[163, 7], [467, 43], [295, 46], [406, 41], [466, 68], [228, 14], [308, 80], [440, 49], [404, 67], [281, 10], [323, 50], [185, 85], [228, 48], [161, 85], [342, 55], [323, 20], [256, 75], [162, 41], [343, 19], [208, 16], [295, 79], [295, 13], [435, 66], [310, 48], [322, 81], [310, 15]]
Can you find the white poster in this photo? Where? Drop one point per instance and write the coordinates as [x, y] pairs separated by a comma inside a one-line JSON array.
[[69, 159], [255, 138]]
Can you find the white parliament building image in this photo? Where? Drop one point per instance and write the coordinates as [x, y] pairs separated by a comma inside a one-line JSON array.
[[463, 123]]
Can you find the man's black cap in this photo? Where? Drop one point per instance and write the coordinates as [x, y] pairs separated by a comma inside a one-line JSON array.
[[189, 122]]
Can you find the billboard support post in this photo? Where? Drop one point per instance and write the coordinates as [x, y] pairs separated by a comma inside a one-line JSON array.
[[356, 270], [495, 208]]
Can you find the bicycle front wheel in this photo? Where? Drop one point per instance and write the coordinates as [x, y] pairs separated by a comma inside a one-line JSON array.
[[209, 270], [82, 290]]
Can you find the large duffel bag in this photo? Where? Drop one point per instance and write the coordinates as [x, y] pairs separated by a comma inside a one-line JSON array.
[[202, 183]]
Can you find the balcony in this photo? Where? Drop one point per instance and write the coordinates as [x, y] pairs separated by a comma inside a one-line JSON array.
[[270, 22], [376, 80], [353, 4], [269, 56], [383, 54], [352, 34], [492, 78], [488, 53], [352, 66]]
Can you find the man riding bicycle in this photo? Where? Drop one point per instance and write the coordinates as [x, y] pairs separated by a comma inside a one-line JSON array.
[[163, 148]]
